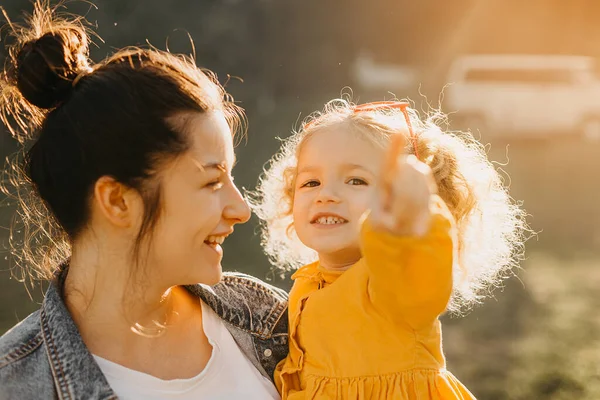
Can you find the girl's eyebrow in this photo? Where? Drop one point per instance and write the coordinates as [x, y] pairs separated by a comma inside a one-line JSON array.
[[350, 166], [308, 168], [344, 167]]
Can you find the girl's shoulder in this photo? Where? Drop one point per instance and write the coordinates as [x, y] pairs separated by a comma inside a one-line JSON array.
[[307, 271]]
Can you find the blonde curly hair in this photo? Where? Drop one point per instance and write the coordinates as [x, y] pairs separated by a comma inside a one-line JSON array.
[[491, 226]]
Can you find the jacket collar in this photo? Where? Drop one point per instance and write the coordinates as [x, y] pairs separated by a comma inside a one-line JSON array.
[[76, 374], [245, 302]]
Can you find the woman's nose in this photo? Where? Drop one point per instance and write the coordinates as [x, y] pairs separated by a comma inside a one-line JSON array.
[[237, 209]]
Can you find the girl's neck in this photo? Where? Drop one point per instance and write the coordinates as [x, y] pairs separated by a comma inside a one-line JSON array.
[[338, 262]]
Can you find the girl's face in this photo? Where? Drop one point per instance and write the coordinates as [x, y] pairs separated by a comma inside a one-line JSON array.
[[335, 183], [200, 206]]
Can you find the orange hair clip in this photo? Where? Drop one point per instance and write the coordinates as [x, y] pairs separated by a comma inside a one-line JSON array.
[[401, 105]]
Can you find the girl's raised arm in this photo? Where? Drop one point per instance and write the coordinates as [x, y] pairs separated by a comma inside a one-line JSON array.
[[407, 241]]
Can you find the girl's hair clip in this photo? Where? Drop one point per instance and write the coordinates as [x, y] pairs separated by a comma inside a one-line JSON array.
[[398, 105], [381, 105]]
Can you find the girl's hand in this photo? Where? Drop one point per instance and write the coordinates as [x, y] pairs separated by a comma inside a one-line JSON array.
[[404, 190]]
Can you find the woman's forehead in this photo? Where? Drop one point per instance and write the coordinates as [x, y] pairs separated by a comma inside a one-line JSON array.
[[211, 139]]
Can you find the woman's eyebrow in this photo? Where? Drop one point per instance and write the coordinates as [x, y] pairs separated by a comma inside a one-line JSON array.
[[213, 165]]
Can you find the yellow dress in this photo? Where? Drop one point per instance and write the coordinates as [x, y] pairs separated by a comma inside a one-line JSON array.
[[373, 332]]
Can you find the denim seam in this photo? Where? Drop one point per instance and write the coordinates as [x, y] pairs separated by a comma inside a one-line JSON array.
[[278, 307], [267, 325], [23, 351], [279, 335], [250, 283], [275, 316], [255, 333], [52, 353]]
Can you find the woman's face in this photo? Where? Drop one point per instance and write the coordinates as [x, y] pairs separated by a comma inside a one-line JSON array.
[[200, 206]]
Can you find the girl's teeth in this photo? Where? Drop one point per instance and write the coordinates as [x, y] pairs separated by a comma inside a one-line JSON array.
[[330, 220]]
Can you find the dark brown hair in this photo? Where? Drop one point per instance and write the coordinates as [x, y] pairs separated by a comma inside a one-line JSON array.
[[80, 121]]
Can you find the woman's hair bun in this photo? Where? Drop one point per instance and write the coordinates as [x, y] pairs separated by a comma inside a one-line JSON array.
[[47, 66]]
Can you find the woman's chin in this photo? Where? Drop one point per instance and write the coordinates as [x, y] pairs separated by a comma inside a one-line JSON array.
[[213, 276], [204, 273], [214, 280]]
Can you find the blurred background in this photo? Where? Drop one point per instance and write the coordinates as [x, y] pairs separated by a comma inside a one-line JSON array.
[[520, 74]]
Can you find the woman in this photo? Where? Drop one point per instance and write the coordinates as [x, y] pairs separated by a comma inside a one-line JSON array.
[[131, 162]]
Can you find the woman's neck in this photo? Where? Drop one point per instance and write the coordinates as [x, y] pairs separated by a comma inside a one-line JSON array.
[[133, 321], [108, 287]]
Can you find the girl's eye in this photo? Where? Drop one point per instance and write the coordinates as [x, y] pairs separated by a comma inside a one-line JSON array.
[[356, 181], [312, 183]]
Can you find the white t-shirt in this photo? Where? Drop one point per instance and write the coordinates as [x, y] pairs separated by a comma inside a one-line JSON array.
[[228, 375]]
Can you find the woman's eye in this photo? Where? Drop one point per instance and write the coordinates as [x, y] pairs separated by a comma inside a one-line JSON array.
[[310, 184], [357, 181], [216, 184]]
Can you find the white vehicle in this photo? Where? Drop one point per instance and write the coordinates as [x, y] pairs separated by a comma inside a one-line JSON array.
[[531, 95]]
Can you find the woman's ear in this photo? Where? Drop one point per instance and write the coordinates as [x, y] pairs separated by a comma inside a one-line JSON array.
[[119, 204]]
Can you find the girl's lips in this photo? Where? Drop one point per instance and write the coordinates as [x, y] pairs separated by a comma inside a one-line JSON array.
[[316, 217], [331, 225], [328, 226]]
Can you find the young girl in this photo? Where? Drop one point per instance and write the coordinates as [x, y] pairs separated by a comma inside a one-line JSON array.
[[363, 313]]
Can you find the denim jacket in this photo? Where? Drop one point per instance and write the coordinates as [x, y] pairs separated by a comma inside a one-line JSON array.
[[44, 357]]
